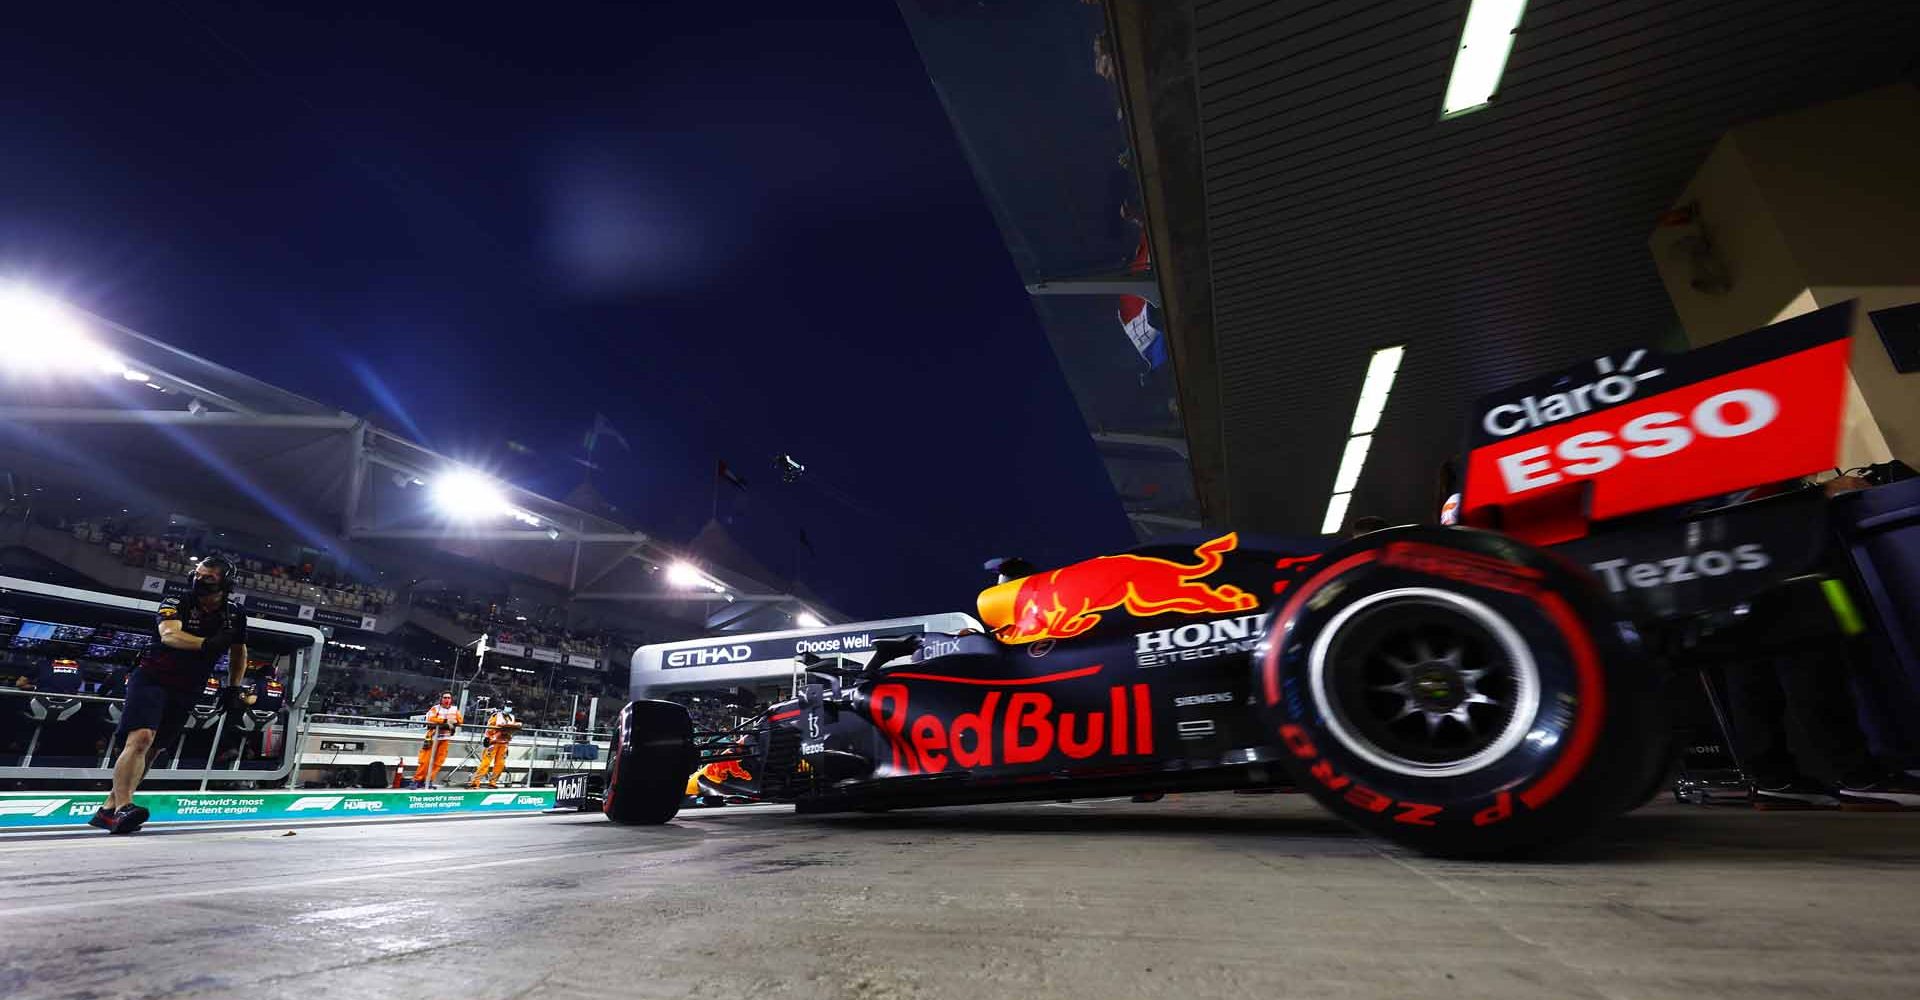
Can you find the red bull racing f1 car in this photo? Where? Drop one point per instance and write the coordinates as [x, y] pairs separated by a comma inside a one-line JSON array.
[[1462, 690]]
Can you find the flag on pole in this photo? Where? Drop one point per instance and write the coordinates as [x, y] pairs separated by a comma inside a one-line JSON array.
[[728, 475], [1138, 316], [601, 426]]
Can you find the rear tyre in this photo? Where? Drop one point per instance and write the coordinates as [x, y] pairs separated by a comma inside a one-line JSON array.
[[648, 764], [1460, 693]]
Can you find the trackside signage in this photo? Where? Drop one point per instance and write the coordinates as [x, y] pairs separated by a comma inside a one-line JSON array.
[[1649, 430], [22, 810], [725, 653]]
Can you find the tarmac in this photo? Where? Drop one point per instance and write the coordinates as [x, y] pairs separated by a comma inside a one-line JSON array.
[[1194, 896]]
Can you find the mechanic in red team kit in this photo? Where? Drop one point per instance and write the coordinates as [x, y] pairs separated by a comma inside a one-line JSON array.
[[194, 632]]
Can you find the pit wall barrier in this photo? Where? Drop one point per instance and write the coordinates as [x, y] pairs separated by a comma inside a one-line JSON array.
[[54, 810]]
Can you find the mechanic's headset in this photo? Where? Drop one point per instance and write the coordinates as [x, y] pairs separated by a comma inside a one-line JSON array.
[[225, 568]]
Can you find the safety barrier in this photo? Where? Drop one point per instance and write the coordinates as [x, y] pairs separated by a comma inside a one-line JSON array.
[[534, 755], [44, 810]]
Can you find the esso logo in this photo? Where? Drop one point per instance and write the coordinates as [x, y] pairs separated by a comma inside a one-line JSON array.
[[1731, 414]]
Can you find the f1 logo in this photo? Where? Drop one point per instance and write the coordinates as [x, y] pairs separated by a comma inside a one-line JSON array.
[[30, 807], [319, 802], [499, 799]]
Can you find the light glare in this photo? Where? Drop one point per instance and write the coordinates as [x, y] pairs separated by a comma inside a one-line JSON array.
[[1351, 462], [1373, 395], [1485, 43], [40, 336], [464, 495], [1336, 514], [807, 619]]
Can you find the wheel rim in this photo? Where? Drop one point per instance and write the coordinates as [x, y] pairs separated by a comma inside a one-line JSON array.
[[1424, 682]]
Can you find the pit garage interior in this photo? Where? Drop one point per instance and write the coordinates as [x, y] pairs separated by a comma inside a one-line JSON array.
[[1305, 204]]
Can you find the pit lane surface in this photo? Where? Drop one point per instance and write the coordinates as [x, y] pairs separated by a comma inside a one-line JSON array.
[[1213, 895]]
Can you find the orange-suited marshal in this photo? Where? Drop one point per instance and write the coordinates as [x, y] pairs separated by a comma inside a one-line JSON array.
[[501, 726], [443, 720]]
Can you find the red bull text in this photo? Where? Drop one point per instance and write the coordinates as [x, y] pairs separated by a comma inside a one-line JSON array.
[[1011, 728]]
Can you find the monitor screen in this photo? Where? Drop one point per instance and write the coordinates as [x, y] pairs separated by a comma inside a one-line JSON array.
[[35, 630]]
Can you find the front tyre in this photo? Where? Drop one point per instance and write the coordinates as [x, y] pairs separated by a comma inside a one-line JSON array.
[[648, 764], [1459, 692]]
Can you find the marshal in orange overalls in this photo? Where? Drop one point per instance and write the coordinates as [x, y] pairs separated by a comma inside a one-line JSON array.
[[443, 720], [501, 726]]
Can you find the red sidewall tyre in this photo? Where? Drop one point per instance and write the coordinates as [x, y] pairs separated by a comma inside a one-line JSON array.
[[648, 764], [1459, 692]]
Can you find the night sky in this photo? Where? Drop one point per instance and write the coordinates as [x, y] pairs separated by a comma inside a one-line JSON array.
[[735, 229]]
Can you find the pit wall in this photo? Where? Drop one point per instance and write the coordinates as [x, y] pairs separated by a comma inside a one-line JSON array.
[[56, 810]]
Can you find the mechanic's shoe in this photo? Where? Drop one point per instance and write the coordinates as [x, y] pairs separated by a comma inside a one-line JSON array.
[[1893, 792], [102, 818], [127, 819], [1797, 792]]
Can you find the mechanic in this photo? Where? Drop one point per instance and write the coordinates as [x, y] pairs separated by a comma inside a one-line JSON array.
[[1801, 670], [58, 677], [193, 632], [1806, 680], [501, 726], [443, 720]]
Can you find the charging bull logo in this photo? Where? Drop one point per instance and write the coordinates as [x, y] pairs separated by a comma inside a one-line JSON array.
[[1067, 602], [1012, 727], [720, 771]]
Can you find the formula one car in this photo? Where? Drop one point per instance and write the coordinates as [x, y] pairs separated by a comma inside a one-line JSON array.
[[1463, 691]]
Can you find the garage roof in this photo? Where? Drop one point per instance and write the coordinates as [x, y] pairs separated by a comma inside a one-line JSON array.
[[1342, 215]]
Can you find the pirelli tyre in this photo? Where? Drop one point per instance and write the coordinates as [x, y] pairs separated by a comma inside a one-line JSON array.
[[1460, 692], [648, 764]]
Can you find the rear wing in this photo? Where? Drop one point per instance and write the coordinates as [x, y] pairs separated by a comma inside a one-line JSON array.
[[1643, 430], [738, 660]]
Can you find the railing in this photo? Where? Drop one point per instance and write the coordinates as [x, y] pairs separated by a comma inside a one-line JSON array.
[[303, 665], [531, 750], [62, 710]]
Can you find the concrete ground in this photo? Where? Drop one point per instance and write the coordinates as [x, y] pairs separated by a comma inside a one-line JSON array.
[[1197, 896]]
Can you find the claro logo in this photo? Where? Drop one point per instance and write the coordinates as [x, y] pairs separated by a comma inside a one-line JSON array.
[[709, 655], [1621, 574], [1731, 414], [1533, 412]]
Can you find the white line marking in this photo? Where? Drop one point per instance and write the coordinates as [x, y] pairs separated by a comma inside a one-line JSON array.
[[281, 885]]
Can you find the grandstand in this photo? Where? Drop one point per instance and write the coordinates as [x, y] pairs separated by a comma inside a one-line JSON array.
[[124, 459]]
